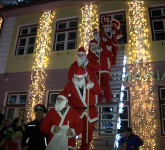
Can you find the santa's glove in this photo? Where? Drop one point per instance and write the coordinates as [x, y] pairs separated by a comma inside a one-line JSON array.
[[90, 85], [69, 132], [104, 39]]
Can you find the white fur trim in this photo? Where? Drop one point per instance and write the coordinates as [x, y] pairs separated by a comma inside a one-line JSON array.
[[79, 76], [72, 147], [52, 129], [108, 48], [114, 44], [81, 53], [73, 133]]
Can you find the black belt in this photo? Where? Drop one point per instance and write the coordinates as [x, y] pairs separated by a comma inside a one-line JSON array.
[[84, 107]]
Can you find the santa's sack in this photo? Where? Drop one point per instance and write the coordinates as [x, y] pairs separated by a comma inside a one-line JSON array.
[[59, 140]]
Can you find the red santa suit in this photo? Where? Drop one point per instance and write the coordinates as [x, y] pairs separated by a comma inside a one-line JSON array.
[[54, 118], [89, 66], [105, 66], [78, 100]]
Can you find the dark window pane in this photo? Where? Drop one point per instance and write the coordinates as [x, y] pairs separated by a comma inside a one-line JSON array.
[[31, 41], [164, 12], [53, 98], [72, 24], [119, 17], [22, 99], [20, 113], [158, 25], [59, 46], [162, 94], [156, 12], [122, 30], [62, 25], [20, 51], [22, 42], [124, 126], [125, 98], [164, 126], [24, 31], [160, 35], [72, 36], [107, 109], [30, 49], [163, 111], [71, 45], [124, 115], [10, 113], [61, 37], [107, 125], [33, 30], [12, 99]]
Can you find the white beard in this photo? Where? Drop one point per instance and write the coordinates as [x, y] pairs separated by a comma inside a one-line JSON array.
[[96, 37], [79, 83], [81, 60], [60, 105]]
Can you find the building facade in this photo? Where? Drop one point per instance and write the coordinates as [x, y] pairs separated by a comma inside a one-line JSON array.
[[18, 42]]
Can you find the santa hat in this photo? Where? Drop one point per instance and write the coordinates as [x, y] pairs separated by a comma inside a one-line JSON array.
[[93, 42], [79, 72], [95, 30], [116, 23], [64, 96], [105, 24], [106, 17], [81, 50]]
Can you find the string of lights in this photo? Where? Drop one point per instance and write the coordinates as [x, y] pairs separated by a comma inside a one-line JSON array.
[[142, 101], [38, 75], [1, 20], [89, 21]]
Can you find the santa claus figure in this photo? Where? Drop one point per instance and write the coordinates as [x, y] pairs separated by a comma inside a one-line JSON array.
[[78, 88], [106, 19], [62, 124], [89, 67], [115, 26]]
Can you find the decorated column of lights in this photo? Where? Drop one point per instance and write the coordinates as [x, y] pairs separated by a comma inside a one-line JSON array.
[[1, 20], [37, 86], [89, 22], [143, 122]]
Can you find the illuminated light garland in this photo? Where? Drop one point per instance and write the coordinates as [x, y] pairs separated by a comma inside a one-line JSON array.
[[1, 20], [38, 75], [89, 22], [121, 104], [141, 85]]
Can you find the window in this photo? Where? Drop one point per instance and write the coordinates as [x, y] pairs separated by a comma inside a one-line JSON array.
[[162, 107], [26, 40], [125, 121], [1, 22], [15, 105], [52, 99], [66, 35], [120, 16], [157, 18]]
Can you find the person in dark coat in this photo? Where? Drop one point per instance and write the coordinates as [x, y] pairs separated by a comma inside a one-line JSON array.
[[33, 138], [2, 130], [133, 141]]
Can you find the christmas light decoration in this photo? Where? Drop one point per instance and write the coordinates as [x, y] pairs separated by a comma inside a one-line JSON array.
[[1, 21], [37, 87], [142, 101], [89, 22]]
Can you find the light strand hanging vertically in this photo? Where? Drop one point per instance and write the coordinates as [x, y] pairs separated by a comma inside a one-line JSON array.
[[142, 100], [37, 87], [88, 23]]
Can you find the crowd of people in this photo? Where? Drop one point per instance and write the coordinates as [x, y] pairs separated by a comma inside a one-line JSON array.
[[75, 109]]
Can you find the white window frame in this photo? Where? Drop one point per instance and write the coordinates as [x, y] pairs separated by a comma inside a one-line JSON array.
[[160, 93], [162, 11], [154, 31], [66, 39], [17, 99], [162, 119], [67, 24], [15, 111], [26, 37]]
